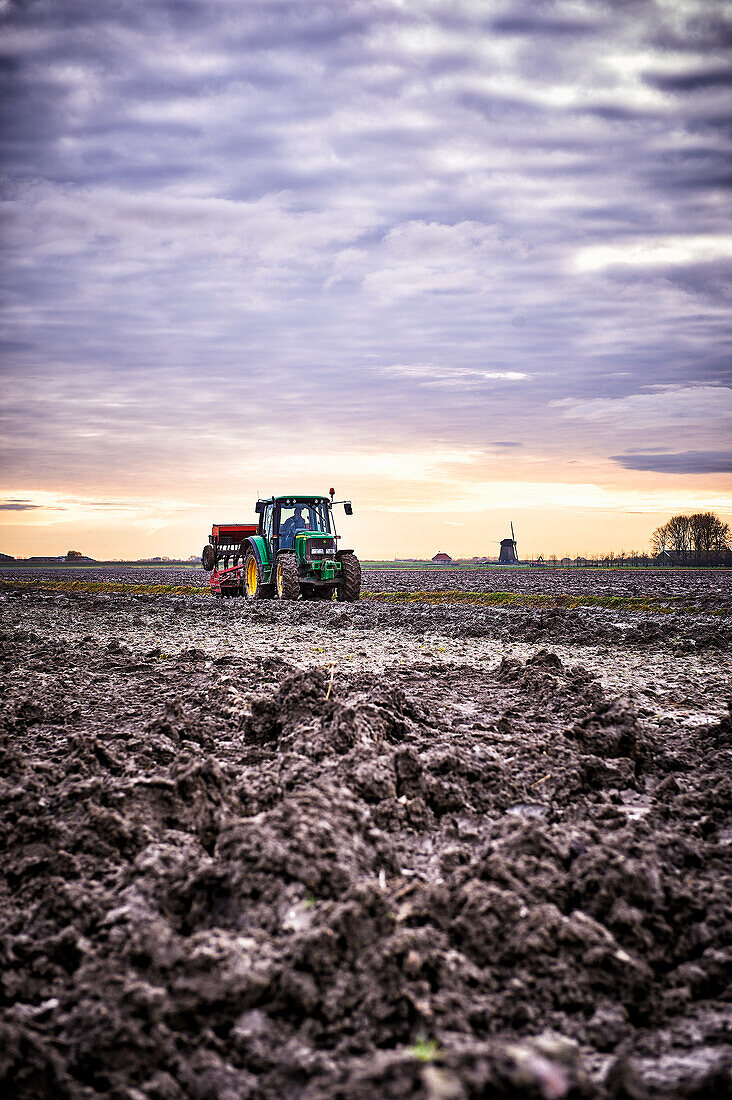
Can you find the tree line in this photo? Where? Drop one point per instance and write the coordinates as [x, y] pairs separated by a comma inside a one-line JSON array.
[[692, 536], [701, 539]]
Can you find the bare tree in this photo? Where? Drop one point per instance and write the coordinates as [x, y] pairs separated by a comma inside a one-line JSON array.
[[659, 540], [679, 534], [708, 533], [722, 537]]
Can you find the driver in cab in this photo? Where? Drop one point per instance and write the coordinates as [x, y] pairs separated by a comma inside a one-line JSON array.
[[291, 526]]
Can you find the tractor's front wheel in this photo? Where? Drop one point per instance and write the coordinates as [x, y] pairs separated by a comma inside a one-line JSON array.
[[287, 583], [253, 587], [349, 589]]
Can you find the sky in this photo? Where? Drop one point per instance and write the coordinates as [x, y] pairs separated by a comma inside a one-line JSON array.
[[466, 261]]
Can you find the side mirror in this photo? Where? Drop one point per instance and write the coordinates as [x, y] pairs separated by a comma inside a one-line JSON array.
[[259, 507], [348, 507]]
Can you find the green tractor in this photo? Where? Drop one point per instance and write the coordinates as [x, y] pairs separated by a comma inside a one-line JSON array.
[[292, 552]]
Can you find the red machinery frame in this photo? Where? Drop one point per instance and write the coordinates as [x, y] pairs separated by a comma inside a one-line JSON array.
[[226, 538]]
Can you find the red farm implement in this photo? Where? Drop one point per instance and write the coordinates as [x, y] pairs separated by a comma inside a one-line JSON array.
[[228, 546]]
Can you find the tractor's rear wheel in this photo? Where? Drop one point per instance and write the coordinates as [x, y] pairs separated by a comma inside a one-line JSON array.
[[287, 583], [253, 587], [349, 589], [208, 558]]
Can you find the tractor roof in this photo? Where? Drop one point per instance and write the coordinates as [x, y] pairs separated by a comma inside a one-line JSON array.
[[292, 498]]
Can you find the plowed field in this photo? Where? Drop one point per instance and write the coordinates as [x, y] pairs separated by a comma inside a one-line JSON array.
[[393, 849]]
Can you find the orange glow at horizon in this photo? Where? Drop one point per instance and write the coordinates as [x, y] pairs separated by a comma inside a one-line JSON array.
[[434, 509]]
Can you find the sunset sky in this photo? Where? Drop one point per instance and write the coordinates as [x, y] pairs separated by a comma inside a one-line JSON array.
[[467, 261]]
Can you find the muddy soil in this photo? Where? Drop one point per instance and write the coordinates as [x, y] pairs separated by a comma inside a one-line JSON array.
[[369, 851], [703, 588]]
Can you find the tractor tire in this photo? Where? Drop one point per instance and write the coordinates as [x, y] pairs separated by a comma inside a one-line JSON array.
[[349, 590], [287, 582], [253, 587], [208, 558]]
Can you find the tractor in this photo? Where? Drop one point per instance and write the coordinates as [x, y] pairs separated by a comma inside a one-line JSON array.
[[291, 552]]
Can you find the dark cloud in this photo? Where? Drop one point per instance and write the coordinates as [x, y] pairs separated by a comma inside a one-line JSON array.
[[696, 80], [685, 462], [697, 35], [612, 112], [541, 27], [12, 506]]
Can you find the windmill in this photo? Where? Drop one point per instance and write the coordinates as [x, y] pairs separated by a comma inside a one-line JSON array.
[[508, 555]]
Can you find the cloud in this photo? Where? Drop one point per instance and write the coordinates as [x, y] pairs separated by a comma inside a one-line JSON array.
[[541, 26], [691, 80], [142, 511], [652, 252], [449, 376], [666, 407], [684, 462]]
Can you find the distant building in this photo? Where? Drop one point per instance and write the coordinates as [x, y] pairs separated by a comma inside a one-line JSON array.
[[442, 559], [46, 558], [507, 555]]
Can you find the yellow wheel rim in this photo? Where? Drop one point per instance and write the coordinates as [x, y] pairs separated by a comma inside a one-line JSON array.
[[280, 582], [252, 578]]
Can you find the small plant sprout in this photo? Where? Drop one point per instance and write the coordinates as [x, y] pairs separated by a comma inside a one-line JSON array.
[[425, 1050]]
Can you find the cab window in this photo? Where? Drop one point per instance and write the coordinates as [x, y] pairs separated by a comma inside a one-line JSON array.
[[302, 516], [267, 522], [319, 517]]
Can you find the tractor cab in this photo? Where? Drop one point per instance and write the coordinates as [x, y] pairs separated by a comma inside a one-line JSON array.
[[295, 515]]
